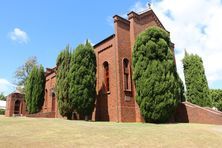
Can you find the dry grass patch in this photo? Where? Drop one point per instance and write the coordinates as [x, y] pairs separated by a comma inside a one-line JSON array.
[[39, 132]]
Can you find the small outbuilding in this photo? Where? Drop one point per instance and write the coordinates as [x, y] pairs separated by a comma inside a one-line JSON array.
[[15, 104]]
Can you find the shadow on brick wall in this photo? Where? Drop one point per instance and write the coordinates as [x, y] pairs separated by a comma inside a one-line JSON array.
[[181, 114], [102, 113]]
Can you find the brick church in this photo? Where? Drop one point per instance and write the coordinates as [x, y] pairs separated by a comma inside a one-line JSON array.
[[115, 89]]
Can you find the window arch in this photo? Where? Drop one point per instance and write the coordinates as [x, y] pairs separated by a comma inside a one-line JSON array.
[[126, 75], [53, 93], [106, 75], [46, 98], [52, 99]]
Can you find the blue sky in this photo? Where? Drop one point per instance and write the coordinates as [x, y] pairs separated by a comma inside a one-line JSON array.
[[42, 28], [49, 26]]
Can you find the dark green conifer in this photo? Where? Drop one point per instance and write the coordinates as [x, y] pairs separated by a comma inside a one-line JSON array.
[[83, 79], [196, 81], [63, 83], [216, 96], [34, 89], [158, 86]]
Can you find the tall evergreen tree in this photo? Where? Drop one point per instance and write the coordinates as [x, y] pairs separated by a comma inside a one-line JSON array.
[[158, 86], [83, 79], [216, 95], [65, 104], [196, 81], [29, 87], [34, 89], [40, 88]]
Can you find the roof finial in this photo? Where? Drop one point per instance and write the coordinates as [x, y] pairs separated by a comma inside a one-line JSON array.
[[149, 4]]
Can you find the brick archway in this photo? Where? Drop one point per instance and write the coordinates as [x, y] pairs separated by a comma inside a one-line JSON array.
[[17, 107]]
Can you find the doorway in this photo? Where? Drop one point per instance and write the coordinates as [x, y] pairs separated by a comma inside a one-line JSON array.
[[17, 107]]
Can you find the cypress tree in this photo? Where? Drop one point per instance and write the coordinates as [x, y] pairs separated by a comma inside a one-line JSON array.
[[196, 82], [63, 83], [29, 87], [34, 89], [40, 91], [83, 79], [158, 86], [216, 95]]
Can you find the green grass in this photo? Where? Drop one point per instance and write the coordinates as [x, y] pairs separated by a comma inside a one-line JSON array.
[[33, 132]]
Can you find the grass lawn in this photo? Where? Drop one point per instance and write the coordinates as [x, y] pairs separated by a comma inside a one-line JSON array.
[[33, 132]]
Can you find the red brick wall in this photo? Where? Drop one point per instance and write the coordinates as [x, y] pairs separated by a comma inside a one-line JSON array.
[[126, 99], [49, 86], [42, 115], [106, 105], [50, 102], [190, 113]]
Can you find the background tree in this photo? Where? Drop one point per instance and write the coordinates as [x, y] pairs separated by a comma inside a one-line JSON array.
[[158, 86], [65, 104], [29, 87], [40, 88], [216, 95], [35, 89], [83, 79], [196, 81], [22, 73], [2, 97]]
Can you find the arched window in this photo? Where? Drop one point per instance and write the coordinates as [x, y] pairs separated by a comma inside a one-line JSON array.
[[126, 74], [53, 93], [53, 99], [46, 98], [106, 75]]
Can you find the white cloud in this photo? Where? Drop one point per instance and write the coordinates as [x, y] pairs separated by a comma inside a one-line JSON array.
[[196, 26], [6, 87], [138, 7], [19, 35]]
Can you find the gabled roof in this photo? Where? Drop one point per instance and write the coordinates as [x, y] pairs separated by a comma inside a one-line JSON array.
[[106, 39], [126, 21], [144, 13], [50, 71]]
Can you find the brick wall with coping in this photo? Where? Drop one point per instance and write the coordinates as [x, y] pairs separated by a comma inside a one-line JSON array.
[[191, 113]]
